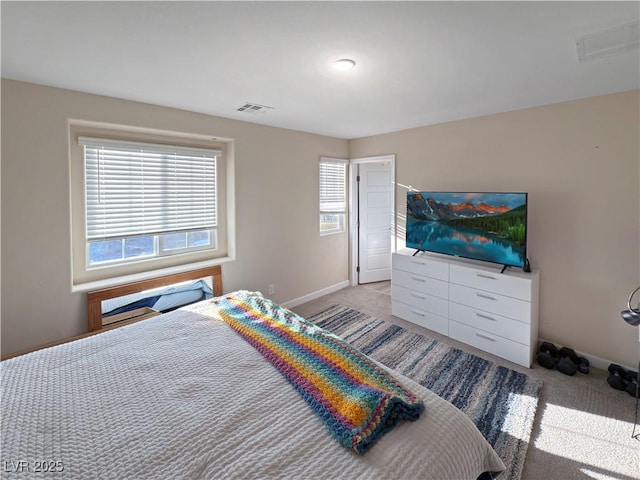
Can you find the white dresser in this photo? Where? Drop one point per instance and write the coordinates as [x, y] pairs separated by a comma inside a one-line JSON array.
[[469, 301]]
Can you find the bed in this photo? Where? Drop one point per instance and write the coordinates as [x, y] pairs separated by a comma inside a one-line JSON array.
[[182, 395]]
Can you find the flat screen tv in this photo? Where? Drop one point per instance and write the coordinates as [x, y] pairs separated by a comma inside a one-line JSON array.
[[491, 227]]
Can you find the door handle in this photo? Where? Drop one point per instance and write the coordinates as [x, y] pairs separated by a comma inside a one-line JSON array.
[[488, 297], [484, 275], [486, 317], [485, 337]]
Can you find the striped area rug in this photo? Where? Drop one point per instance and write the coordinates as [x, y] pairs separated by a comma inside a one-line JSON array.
[[500, 401]]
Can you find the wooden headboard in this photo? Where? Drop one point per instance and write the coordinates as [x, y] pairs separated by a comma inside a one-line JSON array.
[[95, 297]]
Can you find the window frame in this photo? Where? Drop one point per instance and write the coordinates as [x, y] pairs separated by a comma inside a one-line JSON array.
[[142, 179], [85, 278], [324, 196]]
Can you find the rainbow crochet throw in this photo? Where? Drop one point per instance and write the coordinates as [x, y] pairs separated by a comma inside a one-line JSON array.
[[356, 399]]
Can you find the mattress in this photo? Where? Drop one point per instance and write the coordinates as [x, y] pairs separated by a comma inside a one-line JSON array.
[[181, 395]]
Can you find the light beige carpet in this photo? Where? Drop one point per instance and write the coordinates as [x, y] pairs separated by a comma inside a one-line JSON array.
[[582, 428]]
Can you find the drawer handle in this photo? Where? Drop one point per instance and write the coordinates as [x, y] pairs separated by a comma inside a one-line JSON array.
[[485, 337], [488, 297], [486, 316], [417, 279], [484, 275], [418, 313], [415, 295], [418, 263]]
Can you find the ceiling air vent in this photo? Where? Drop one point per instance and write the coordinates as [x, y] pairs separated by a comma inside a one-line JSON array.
[[253, 108], [612, 41]]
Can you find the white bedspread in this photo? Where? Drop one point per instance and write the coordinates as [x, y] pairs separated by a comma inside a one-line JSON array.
[[183, 396]]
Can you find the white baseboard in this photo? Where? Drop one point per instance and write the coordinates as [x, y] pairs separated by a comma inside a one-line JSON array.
[[317, 294], [596, 362]]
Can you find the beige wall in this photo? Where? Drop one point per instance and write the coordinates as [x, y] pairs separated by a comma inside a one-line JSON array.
[[276, 174], [580, 163]]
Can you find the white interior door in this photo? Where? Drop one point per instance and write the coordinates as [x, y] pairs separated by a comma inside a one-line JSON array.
[[375, 215]]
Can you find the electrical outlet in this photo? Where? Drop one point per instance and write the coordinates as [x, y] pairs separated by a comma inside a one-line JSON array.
[[272, 289]]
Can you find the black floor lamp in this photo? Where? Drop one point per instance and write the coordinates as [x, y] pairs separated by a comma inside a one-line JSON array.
[[631, 315]]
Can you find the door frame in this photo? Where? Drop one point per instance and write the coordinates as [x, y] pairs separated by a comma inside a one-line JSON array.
[[354, 212]]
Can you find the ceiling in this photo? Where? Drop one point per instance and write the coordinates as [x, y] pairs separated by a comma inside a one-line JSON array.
[[418, 63]]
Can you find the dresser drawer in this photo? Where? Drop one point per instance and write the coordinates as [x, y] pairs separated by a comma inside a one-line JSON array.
[[501, 347], [420, 283], [491, 323], [422, 266], [420, 317], [491, 302], [422, 301], [490, 281]]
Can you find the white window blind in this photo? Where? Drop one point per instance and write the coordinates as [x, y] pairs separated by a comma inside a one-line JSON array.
[[137, 189], [332, 187]]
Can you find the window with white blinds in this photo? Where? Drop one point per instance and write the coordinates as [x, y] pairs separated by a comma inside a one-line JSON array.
[[147, 199], [333, 195]]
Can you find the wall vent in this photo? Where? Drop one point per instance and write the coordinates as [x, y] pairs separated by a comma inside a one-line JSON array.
[[253, 108], [611, 41]]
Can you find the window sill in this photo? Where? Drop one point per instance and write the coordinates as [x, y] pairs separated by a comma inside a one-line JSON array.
[[110, 282]]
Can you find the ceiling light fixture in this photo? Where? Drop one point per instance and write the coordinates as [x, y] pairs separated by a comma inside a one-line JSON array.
[[344, 64]]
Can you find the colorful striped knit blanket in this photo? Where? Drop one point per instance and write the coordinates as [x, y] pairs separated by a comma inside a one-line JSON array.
[[356, 399]]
